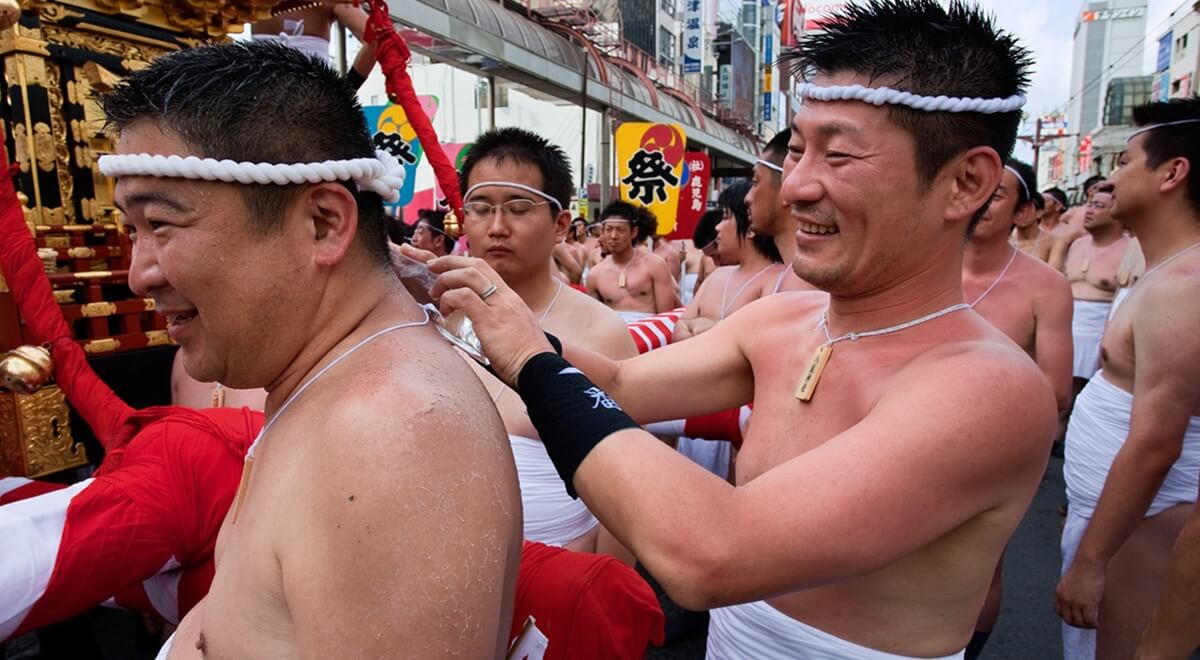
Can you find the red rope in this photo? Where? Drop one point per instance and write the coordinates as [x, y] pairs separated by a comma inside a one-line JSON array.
[[393, 56]]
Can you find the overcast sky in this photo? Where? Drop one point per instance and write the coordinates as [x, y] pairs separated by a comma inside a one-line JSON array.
[[1046, 28]]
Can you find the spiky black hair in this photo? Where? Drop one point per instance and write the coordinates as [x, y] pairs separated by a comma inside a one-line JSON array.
[[921, 47]]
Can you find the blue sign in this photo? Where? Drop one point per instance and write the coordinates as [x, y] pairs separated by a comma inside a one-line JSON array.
[[1164, 51], [767, 106], [693, 36]]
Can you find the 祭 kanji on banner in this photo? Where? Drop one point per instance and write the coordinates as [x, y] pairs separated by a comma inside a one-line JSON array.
[[650, 162], [391, 131], [693, 196]]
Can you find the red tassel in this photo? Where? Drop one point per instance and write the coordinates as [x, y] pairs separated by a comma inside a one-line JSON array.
[[393, 56]]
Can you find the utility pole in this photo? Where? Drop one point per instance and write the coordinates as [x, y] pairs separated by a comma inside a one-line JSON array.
[[1037, 140]]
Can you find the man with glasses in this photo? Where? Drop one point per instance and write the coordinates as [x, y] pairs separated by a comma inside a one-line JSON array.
[[516, 188], [633, 283]]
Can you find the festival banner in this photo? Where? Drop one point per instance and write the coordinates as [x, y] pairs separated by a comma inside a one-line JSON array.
[[650, 168], [693, 196], [434, 198], [391, 132]]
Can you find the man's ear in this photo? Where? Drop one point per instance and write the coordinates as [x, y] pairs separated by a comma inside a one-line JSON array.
[[974, 177], [562, 225], [330, 214], [1176, 171]]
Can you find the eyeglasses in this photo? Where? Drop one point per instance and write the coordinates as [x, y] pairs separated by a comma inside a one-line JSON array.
[[512, 209]]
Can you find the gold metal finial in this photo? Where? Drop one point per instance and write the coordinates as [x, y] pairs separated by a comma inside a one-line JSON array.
[[26, 368]]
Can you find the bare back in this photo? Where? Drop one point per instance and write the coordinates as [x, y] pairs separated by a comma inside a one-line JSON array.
[[386, 495]]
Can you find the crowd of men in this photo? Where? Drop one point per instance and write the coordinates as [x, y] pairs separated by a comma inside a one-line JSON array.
[[875, 342]]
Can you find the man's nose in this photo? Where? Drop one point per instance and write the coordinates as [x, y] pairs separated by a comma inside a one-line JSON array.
[[145, 272]]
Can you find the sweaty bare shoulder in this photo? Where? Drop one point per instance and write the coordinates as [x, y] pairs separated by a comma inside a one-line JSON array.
[[407, 522]]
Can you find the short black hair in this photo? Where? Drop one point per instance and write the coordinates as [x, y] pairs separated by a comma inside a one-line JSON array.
[[920, 47], [255, 101], [706, 229], [647, 223], [1058, 194], [622, 209], [1026, 184], [1179, 141], [527, 147], [1091, 181], [734, 199], [776, 150], [436, 218]]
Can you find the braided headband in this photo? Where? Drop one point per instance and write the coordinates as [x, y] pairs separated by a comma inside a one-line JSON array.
[[383, 175], [881, 95], [1021, 180], [769, 165], [512, 184], [1154, 126]]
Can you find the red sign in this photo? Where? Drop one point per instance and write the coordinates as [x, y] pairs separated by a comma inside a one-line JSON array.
[[693, 195]]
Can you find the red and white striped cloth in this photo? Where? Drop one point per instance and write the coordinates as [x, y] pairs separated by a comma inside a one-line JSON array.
[[141, 535], [654, 331]]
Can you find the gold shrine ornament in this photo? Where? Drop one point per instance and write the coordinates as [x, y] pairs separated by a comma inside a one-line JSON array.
[[25, 369]]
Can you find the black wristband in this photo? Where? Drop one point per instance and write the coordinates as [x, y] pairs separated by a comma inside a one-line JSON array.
[[355, 78], [570, 413]]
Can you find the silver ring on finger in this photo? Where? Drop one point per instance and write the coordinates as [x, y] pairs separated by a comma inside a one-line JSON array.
[[488, 292]]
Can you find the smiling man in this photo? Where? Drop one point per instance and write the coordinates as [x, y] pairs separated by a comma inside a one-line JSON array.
[[351, 530], [883, 471]]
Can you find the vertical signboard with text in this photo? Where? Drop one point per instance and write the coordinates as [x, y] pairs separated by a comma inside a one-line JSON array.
[[693, 36], [693, 196], [650, 168], [391, 132]]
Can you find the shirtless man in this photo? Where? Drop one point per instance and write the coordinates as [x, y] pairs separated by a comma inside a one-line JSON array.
[[307, 28], [757, 261], [1027, 234], [350, 530], [1091, 268], [769, 216], [1028, 301], [516, 187], [429, 233], [634, 283], [872, 514], [1070, 226], [1133, 446], [671, 252]]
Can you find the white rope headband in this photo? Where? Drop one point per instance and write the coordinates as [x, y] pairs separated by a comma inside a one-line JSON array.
[[1021, 180], [881, 95], [512, 184], [383, 175], [769, 165], [1154, 126]]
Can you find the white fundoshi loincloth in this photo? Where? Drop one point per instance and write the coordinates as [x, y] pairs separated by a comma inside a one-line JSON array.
[[1087, 329], [551, 516], [757, 630]]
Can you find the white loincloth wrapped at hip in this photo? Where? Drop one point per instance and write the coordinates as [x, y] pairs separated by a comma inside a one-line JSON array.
[[757, 630], [1098, 429], [1087, 329], [551, 516]]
